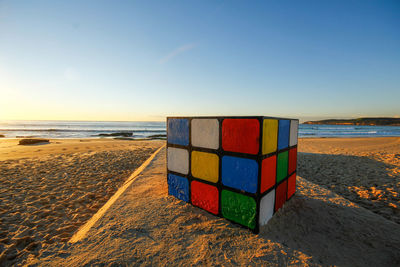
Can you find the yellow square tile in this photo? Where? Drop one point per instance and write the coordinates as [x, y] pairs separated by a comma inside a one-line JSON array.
[[270, 136], [205, 166]]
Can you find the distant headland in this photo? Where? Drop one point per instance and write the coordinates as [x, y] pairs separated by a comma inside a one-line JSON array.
[[359, 121]]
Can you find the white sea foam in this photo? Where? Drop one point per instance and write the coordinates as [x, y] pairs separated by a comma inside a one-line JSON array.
[[84, 129]]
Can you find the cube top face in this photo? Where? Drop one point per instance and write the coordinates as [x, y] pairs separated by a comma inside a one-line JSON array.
[[239, 168]]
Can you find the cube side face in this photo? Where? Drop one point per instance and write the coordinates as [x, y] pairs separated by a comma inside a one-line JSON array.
[[278, 182], [232, 167]]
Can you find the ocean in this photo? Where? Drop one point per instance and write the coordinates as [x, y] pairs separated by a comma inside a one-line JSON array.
[[78, 129], [90, 129]]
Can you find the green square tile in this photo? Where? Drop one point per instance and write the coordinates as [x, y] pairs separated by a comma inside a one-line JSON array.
[[282, 166], [239, 208]]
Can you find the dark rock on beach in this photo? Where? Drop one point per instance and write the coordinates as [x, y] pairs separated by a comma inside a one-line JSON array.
[[123, 134], [32, 141], [158, 136], [124, 138]]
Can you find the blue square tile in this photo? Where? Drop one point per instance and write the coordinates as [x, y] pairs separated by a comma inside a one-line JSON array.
[[178, 131], [178, 186], [240, 173], [283, 134]]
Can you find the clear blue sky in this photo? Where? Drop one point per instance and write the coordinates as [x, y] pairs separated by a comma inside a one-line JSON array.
[[143, 60]]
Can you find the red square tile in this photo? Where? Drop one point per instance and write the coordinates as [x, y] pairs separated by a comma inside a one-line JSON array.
[[292, 160], [280, 195], [205, 196], [291, 185], [268, 173], [241, 135]]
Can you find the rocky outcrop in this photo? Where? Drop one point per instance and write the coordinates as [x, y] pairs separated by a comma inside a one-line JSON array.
[[32, 141], [359, 121], [123, 134]]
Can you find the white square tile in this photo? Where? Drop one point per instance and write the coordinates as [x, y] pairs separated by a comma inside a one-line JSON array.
[[267, 204], [294, 126], [178, 160], [205, 133]]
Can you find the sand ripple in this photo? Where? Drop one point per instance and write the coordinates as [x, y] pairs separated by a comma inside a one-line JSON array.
[[44, 201], [370, 179]]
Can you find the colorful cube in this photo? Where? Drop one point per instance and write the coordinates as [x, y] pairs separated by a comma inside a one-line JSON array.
[[239, 168]]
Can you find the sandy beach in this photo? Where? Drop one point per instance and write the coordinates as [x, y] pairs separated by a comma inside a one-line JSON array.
[[202, 133], [345, 211], [363, 170], [48, 191]]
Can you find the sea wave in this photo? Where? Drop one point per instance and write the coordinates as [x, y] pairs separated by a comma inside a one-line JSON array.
[[79, 129], [82, 130]]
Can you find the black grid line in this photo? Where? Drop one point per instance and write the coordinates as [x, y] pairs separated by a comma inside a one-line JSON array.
[[259, 157]]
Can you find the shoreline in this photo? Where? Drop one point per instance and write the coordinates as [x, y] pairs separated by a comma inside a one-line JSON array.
[[150, 130], [163, 138], [346, 137], [149, 139]]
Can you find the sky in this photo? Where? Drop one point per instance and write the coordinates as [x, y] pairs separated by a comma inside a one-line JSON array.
[[144, 60]]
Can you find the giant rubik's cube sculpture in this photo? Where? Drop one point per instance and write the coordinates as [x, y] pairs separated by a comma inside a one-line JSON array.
[[239, 168]]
